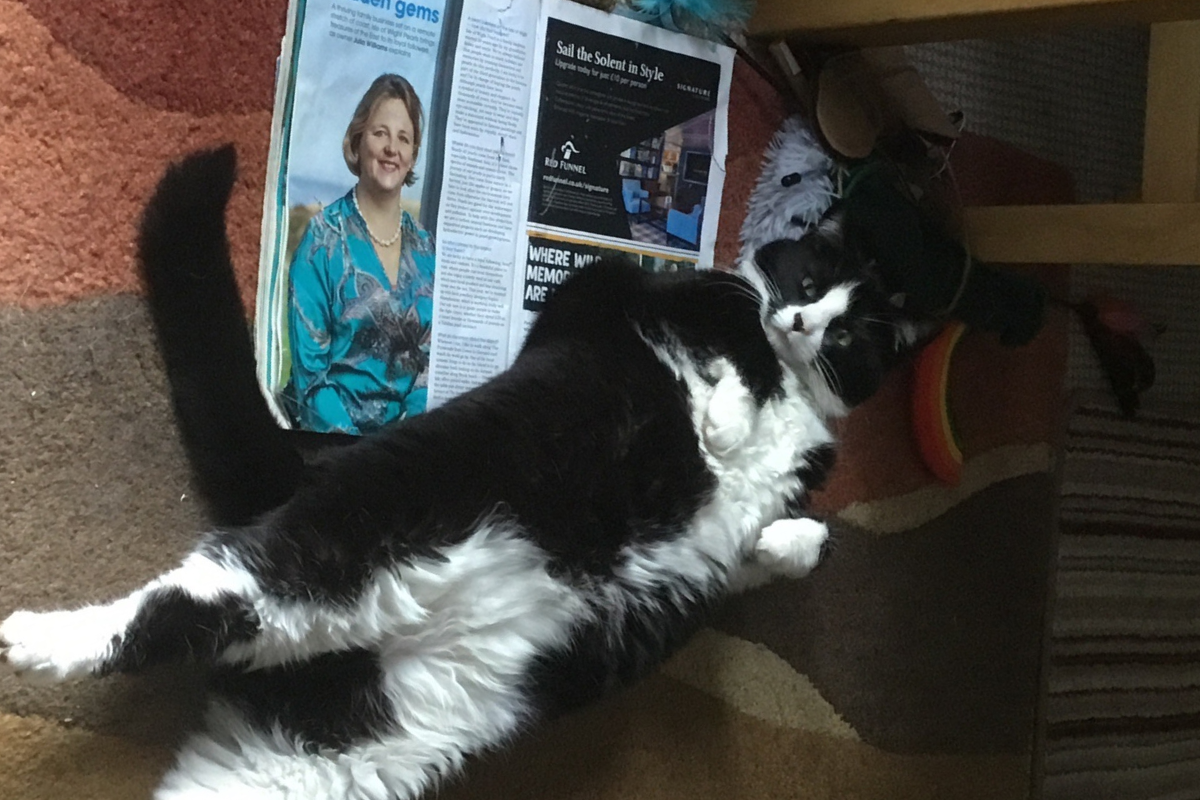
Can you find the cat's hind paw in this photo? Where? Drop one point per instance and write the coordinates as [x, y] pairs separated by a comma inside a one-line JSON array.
[[55, 646], [792, 547]]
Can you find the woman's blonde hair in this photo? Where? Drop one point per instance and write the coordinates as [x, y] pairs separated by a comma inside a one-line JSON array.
[[384, 87]]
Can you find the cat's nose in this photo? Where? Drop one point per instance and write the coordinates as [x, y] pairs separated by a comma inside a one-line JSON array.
[[798, 323]]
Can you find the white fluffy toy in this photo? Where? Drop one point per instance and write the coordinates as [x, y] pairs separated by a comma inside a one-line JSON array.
[[795, 188]]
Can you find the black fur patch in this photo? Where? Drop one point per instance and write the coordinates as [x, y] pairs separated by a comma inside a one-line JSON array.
[[818, 464], [603, 656], [171, 624], [330, 701]]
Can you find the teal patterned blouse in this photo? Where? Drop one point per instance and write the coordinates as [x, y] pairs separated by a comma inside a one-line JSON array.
[[359, 343]]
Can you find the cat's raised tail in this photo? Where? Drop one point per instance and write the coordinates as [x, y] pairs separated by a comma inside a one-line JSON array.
[[242, 461]]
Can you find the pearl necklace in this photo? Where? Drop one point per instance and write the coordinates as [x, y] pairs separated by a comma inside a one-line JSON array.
[[374, 238]]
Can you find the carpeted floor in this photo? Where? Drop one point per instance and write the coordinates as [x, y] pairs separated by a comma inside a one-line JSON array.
[[907, 667]]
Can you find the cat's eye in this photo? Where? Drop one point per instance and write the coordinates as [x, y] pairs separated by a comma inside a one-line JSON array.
[[810, 288], [841, 337]]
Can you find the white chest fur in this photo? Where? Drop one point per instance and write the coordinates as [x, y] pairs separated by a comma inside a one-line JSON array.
[[753, 451]]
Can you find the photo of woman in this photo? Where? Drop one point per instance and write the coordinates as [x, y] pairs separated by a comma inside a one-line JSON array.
[[360, 300]]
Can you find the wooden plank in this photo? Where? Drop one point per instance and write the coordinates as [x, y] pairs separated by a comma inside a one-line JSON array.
[[1171, 159], [879, 22], [1137, 233]]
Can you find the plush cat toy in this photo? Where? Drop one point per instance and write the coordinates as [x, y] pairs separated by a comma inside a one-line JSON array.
[[794, 190]]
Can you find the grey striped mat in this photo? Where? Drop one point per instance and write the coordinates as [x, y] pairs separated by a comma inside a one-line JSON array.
[[1123, 710]]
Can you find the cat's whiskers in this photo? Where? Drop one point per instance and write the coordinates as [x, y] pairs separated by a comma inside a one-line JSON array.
[[828, 374], [748, 291], [877, 321], [773, 290]]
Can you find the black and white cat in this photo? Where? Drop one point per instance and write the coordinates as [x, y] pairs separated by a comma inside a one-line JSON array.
[[378, 612]]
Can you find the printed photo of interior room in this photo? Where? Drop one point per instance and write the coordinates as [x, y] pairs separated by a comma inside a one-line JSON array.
[[664, 180]]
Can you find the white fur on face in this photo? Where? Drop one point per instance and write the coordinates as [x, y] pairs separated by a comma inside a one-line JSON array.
[[799, 352], [804, 345]]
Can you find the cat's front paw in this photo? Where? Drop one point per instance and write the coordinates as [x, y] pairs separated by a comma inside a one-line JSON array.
[[724, 439], [729, 418], [56, 646], [792, 547]]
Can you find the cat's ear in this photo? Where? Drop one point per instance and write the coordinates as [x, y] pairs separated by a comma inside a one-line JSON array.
[[771, 254], [833, 224]]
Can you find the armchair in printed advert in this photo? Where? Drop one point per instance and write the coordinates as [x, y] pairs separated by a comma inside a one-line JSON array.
[[634, 196], [686, 226]]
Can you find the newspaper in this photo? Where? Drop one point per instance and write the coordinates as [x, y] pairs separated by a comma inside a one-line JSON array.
[[542, 135]]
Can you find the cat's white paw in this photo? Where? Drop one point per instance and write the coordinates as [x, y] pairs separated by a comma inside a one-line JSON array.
[[729, 418], [724, 439], [56, 646], [791, 547]]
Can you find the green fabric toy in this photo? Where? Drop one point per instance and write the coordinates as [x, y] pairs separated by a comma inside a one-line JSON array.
[[930, 271]]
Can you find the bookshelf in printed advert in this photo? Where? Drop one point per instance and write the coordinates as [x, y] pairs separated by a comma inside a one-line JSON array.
[[437, 169]]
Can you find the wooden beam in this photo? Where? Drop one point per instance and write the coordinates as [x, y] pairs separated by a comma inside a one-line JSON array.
[[880, 22], [1136, 233], [1171, 159]]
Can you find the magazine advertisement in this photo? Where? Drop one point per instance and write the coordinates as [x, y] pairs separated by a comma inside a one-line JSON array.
[[437, 169]]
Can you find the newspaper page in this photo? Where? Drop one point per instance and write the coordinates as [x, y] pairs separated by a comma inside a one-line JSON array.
[[628, 153], [403, 148], [480, 222]]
